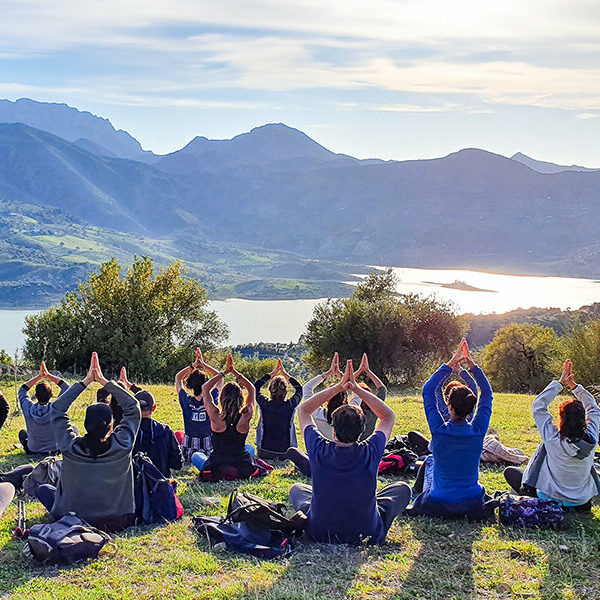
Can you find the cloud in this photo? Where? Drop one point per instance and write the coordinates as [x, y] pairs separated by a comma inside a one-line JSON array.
[[540, 53], [584, 116]]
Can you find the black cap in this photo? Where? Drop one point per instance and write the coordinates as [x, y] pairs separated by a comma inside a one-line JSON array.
[[98, 418], [146, 400]]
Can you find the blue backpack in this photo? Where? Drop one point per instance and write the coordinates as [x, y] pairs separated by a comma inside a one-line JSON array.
[[525, 511], [156, 499]]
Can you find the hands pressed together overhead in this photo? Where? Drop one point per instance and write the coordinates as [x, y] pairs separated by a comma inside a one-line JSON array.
[[95, 372], [462, 356], [567, 378], [280, 370]]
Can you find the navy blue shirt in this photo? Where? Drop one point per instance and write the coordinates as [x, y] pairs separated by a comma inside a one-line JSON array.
[[343, 508], [195, 418], [158, 441]]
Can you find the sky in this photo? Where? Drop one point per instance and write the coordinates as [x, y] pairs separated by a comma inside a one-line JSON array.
[[392, 79]]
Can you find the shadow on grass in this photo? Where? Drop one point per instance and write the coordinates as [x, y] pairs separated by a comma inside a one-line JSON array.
[[443, 566]]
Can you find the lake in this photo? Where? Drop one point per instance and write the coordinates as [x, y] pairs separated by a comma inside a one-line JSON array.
[[284, 320]]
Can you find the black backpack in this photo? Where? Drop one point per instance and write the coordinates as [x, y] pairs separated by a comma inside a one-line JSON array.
[[156, 499], [67, 540], [253, 526]]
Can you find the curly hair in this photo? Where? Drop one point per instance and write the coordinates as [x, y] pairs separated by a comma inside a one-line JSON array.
[[195, 380], [571, 420], [348, 423], [231, 401], [278, 388]]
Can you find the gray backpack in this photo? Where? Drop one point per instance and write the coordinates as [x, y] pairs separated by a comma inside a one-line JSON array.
[[67, 540], [47, 471]]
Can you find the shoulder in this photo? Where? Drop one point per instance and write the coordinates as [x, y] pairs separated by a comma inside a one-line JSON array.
[[377, 441]]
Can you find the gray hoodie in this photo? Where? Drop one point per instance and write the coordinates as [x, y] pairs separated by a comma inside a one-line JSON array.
[[98, 489], [40, 435], [562, 469]]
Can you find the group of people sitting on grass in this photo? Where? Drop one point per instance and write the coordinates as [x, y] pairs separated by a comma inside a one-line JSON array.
[[345, 427]]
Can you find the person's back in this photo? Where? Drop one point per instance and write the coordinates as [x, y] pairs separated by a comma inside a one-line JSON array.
[[276, 432], [155, 439], [38, 438], [343, 508], [96, 481], [456, 448], [343, 504], [562, 468]]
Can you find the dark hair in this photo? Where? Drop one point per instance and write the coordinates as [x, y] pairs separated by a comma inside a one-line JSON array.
[[348, 423], [460, 398], [195, 380], [571, 420], [43, 392], [231, 401], [338, 400], [278, 388], [102, 396]]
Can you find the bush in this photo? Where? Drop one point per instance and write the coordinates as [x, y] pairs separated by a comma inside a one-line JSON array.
[[402, 334], [146, 320], [521, 358]]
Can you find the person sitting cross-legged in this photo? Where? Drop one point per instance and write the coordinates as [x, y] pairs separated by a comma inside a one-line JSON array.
[[96, 480], [38, 437], [197, 436], [562, 468], [343, 505], [276, 431], [456, 444], [230, 424], [155, 439]]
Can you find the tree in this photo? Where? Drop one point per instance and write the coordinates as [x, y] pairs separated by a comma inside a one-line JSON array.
[[582, 346], [142, 320], [401, 334], [521, 358]]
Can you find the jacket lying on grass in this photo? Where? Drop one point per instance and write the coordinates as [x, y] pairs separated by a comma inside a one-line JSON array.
[[40, 436], [561, 469], [98, 489]]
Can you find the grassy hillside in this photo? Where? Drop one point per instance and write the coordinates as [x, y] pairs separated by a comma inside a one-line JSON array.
[[423, 558], [44, 253]]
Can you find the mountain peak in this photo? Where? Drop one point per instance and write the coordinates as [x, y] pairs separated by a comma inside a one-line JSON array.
[[546, 167], [72, 124]]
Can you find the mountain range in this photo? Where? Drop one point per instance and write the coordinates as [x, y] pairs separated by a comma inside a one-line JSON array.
[[271, 212]]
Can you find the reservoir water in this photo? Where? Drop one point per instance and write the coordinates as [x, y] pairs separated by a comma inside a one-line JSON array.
[[284, 320]]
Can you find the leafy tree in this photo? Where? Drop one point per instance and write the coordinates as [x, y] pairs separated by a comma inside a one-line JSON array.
[[401, 334], [144, 319], [582, 346], [5, 357], [521, 357]]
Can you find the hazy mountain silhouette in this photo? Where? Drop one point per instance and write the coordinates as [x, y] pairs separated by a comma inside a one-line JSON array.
[[276, 188], [546, 167], [72, 125]]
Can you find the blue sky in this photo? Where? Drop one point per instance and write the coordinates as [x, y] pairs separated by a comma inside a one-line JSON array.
[[384, 78]]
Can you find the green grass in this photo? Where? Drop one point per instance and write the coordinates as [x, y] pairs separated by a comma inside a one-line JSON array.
[[423, 558]]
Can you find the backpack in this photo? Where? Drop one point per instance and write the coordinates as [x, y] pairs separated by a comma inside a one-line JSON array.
[[67, 540], [525, 511], [396, 463], [252, 509], [253, 526], [47, 471], [156, 499]]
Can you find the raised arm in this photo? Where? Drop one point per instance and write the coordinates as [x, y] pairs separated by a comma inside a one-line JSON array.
[[541, 415], [309, 388], [181, 375], [430, 402], [211, 408], [127, 430], [310, 405], [296, 397], [250, 405], [64, 431], [592, 412], [483, 414]]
